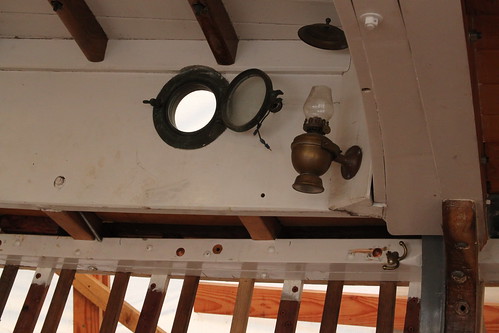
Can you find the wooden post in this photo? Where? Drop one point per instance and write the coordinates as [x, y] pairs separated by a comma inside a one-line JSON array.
[[413, 308], [116, 299], [185, 304], [6, 281], [289, 306], [332, 303], [386, 307], [242, 306], [34, 300], [151, 310], [87, 317], [58, 302], [462, 305]]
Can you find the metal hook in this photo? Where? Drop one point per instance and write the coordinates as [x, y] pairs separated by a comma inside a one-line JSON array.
[[393, 258]]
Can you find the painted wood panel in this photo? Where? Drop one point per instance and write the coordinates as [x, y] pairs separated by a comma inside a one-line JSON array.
[[489, 98]]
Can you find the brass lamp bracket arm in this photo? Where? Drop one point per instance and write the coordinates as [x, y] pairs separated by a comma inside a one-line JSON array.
[[393, 258], [331, 147]]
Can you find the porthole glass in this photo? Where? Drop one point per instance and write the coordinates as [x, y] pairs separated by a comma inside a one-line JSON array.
[[195, 111], [246, 100]]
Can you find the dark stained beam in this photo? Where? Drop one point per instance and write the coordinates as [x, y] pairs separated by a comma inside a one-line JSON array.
[[115, 302], [331, 311], [185, 304], [386, 307], [463, 307], [217, 28], [58, 302], [151, 310], [6, 282], [34, 301], [83, 26]]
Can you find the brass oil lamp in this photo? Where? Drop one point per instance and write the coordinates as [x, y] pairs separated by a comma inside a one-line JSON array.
[[312, 153]]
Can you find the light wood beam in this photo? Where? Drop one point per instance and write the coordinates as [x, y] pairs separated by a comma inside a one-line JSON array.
[[217, 28], [83, 26], [87, 317], [242, 306], [98, 293], [72, 223], [261, 227]]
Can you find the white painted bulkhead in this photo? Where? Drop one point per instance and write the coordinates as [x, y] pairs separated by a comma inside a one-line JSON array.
[[408, 106]]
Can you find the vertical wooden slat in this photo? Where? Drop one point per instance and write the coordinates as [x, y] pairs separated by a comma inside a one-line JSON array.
[[58, 301], [34, 300], [242, 306], [185, 304], [462, 308], [332, 304], [6, 281], [386, 307], [151, 310], [116, 299], [87, 317], [289, 306], [413, 308]]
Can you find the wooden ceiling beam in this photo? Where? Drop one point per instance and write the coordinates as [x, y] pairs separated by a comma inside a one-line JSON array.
[[217, 28], [83, 26], [261, 227], [80, 226]]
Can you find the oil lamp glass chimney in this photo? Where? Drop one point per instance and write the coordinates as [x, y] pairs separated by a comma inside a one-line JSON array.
[[318, 109]]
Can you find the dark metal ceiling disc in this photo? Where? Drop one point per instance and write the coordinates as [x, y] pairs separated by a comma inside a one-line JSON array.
[[323, 36]]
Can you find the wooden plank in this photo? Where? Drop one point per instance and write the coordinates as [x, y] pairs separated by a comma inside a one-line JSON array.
[[34, 301], [261, 227], [23, 212], [489, 98], [331, 312], [72, 223], [490, 125], [151, 310], [242, 306], [217, 28], [492, 166], [115, 303], [37, 225], [386, 307], [83, 26], [87, 317], [487, 25], [461, 251], [487, 66], [98, 293], [289, 306], [58, 302], [6, 282], [185, 304]]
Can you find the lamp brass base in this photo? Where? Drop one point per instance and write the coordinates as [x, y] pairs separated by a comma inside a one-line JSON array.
[[308, 183], [351, 161]]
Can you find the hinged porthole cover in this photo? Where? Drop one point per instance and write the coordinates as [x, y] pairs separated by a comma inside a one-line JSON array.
[[240, 106]]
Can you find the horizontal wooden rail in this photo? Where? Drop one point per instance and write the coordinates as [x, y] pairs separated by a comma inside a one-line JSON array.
[[356, 309]]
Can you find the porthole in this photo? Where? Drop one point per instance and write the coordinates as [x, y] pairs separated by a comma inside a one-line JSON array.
[[196, 106], [194, 111]]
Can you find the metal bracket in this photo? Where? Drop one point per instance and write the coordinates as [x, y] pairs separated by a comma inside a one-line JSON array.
[[393, 258]]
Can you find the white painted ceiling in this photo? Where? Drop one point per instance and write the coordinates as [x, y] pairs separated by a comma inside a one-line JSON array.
[[167, 19]]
